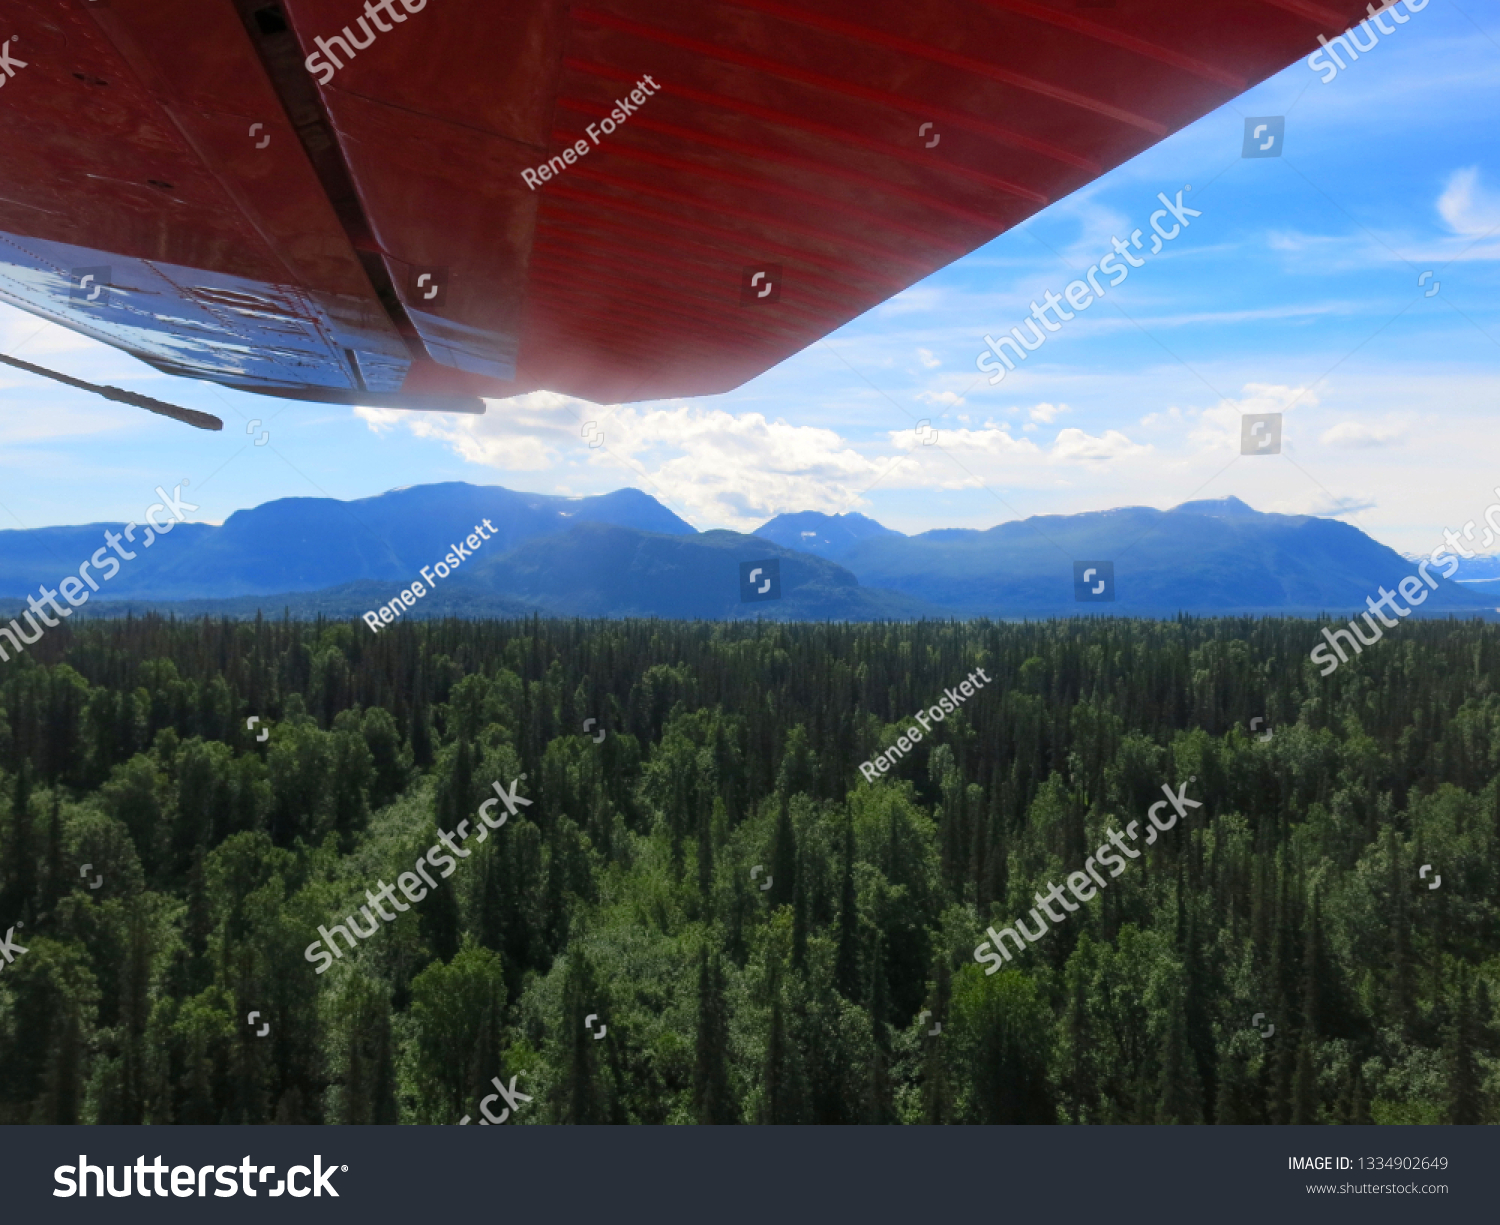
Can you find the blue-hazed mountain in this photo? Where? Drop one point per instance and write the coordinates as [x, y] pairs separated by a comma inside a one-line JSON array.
[[307, 544], [1201, 557], [589, 570], [599, 570], [829, 536], [32, 557], [1480, 575], [624, 554]]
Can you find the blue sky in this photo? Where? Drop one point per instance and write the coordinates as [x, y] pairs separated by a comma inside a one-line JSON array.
[[1297, 290]]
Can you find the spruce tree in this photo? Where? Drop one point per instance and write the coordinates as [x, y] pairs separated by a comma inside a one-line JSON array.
[[937, 1098], [18, 873], [880, 1110], [783, 858], [1180, 1097], [713, 1099], [846, 969], [1304, 1108], [582, 1094], [1465, 1103]]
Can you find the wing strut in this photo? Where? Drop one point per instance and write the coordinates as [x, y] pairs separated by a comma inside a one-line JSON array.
[[190, 416]]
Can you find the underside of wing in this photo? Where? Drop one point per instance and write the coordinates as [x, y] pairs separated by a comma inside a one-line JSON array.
[[419, 203]]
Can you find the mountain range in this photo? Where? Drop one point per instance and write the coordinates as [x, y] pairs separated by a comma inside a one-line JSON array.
[[1207, 556], [625, 554]]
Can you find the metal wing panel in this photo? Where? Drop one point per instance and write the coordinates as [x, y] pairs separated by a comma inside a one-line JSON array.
[[436, 115], [131, 151], [199, 324]]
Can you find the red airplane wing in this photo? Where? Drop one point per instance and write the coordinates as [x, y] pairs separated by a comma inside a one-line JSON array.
[[346, 201]]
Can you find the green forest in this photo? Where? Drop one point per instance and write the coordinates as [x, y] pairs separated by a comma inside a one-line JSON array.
[[709, 915]]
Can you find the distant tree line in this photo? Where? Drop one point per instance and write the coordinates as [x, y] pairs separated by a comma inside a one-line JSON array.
[[165, 871]]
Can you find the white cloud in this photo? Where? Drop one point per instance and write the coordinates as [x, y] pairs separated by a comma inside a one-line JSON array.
[[513, 435], [1078, 445], [1360, 434], [927, 359], [380, 420], [993, 454], [719, 468], [1172, 417], [1322, 504], [1468, 208], [987, 442], [714, 467], [742, 469], [1098, 223], [1220, 427]]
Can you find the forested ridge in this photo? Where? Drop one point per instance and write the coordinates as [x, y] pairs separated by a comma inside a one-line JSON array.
[[626, 890]]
